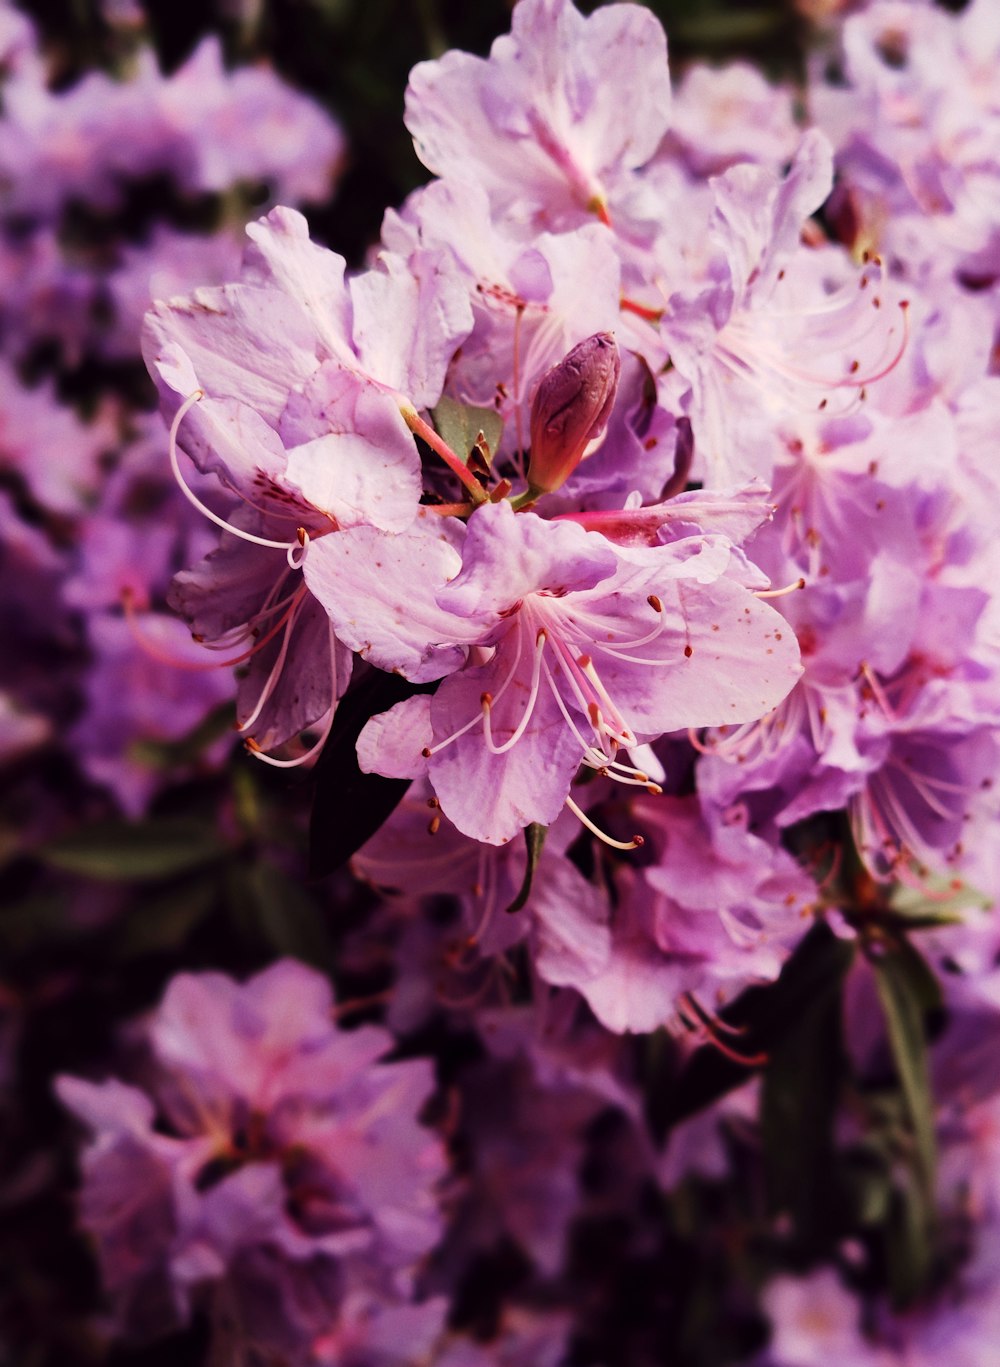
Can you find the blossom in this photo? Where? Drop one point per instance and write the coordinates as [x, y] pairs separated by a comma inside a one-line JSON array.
[[539, 123], [559, 649], [69, 145], [731, 114], [310, 436], [915, 125], [281, 1137], [715, 909], [744, 339]]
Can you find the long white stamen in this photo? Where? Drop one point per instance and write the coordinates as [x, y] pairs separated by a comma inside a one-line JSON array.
[[272, 678], [255, 750], [314, 749], [635, 843], [623, 735], [193, 498], [245, 631], [474, 721], [780, 593], [921, 783], [529, 706]]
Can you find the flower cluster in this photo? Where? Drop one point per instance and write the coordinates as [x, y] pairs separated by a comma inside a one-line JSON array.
[[85, 246], [610, 557], [267, 1150]]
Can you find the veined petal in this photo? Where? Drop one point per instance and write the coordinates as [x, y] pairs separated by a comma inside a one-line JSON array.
[[379, 592]]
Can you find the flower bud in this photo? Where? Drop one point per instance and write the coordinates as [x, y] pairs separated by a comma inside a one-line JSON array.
[[571, 407]]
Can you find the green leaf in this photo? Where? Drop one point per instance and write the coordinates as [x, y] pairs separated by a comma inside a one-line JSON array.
[[908, 990], [534, 839], [124, 851], [460, 424], [909, 1243], [866, 1180], [35, 922], [732, 28]]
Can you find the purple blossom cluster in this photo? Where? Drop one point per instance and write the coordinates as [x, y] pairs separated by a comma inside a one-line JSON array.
[[88, 503], [614, 554]]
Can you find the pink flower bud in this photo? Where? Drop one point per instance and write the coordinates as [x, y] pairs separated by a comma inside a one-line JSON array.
[[571, 407]]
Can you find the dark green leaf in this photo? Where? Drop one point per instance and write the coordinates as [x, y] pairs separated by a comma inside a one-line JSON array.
[[866, 1181], [909, 1246], [534, 839], [124, 851], [34, 922], [908, 990]]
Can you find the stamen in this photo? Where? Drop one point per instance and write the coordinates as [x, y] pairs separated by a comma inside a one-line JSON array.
[[296, 554], [193, 498], [529, 706], [299, 760], [254, 748], [877, 691], [272, 678], [635, 843], [650, 315], [486, 701], [714, 1030], [155, 652], [780, 593], [519, 432]]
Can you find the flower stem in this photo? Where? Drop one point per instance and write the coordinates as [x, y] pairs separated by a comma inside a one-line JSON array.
[[424, 430]]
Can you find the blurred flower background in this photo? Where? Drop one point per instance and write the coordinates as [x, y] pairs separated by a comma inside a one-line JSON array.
[[733, 1100]]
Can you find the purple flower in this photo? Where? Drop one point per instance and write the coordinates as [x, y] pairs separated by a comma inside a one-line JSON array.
[[725, 115], [716, 910], [778, 330], [278, 1137], [540, 124], [815, 1321], [560, 649]]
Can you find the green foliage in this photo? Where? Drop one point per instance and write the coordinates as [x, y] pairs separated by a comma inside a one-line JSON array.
[[125, 851], [466, 428]]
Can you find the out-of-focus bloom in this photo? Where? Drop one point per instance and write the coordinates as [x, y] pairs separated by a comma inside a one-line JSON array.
[[277, 1136]]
